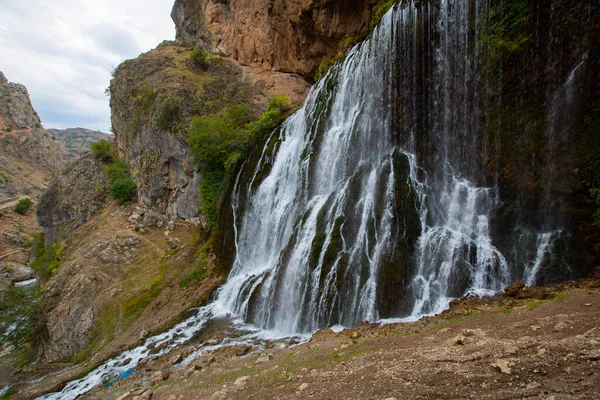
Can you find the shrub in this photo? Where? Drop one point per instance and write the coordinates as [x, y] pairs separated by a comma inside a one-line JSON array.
[[123, 189], [211, 139], [281, 103], [168, 113], [199, 58], [220, 141], [23, 206], [102, 149], [239, 116], [117, 169]]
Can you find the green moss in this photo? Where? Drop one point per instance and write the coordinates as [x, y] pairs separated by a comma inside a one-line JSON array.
[[327, 64], [380, 10], [104, 333], [560, 297], [46, 259], [9, 394], [535, 305]]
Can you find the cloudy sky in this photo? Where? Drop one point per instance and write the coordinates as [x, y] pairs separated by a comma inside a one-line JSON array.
[[64, 51]]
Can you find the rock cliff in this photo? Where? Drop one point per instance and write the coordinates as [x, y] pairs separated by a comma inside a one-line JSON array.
[[79, 192], [153, 99], [289, 36], [28, 155]]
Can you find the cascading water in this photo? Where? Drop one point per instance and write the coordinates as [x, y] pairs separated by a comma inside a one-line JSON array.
[[370, 202]]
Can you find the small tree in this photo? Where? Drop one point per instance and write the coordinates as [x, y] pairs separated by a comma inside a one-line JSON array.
[[117, 169], [281, 103], [23, 206], [199, 58], [123, 189], [102, 149]]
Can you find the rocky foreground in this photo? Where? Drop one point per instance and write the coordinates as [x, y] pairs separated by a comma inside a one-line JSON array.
[[530, 343]]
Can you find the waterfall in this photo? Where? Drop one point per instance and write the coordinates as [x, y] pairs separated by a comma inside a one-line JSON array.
[[370, 202]]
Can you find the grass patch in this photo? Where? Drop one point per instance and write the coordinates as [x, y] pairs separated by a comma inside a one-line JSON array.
[[560, 297], [535, 305], [200, 267], [10, 393]]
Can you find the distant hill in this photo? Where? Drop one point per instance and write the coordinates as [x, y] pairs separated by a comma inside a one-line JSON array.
[[73, 142]]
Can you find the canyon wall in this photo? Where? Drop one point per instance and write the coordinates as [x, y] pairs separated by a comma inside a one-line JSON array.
[[288, 36]]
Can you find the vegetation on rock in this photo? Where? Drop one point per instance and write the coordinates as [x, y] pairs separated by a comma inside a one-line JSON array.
[[117, 169], [102, 149], [168, 114], [46, 258], [199, 58], [219, 142], [23, 206], [20, 307], [123, 189]]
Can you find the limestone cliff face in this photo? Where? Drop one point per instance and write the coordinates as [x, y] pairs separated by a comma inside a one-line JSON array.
[[28, 154], [289, 36], [74, 196]]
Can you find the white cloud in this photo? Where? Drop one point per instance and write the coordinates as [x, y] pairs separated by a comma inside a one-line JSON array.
[[64, 50]]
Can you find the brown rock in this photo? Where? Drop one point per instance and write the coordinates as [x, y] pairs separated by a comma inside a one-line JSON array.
[[514, 289], [159, 376], [272, 34], [502, 366]]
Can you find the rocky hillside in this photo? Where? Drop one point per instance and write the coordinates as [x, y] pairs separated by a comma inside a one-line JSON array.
[[154, 99], [75, 141], [28, 154], [28, 158]]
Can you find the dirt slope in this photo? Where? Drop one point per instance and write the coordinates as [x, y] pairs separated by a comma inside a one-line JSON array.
[[499, 348]]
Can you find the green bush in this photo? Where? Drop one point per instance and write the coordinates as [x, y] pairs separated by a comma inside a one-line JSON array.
[[199, 58], [102, 149], [219, 142], [23, 206], [212, 139], [169, 112], [281, 103], [117, 169], [123, 189], [239, 116]]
